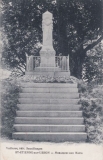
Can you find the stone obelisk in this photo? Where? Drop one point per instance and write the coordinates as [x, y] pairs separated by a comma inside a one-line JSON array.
[[47, 52]]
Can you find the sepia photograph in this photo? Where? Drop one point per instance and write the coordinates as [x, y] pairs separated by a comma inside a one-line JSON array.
[[51, 79]]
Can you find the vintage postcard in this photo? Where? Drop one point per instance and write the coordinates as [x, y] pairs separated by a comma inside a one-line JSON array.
[[51, 80]]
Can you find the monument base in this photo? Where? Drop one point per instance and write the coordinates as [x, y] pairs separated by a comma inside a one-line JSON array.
[[47, 69], [51, 73], [48, 77]]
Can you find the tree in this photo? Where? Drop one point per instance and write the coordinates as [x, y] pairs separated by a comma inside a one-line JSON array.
[[22, 21], [93, 66], [77, 29], [82, 23]]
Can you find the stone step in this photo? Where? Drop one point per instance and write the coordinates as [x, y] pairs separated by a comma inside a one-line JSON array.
[[53, 137], [49, 128], [49, 113], [49, 90], [47, 101], [49, 95], [49, 107], [47, 69], [49, 85], [48, 120]]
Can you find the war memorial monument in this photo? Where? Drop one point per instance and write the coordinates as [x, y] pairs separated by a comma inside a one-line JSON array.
[[49, 111]]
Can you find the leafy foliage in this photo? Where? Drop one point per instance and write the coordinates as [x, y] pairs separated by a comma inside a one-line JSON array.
[[23, 29], [93, 66], [10, 93], [80, 29], [92, 101]]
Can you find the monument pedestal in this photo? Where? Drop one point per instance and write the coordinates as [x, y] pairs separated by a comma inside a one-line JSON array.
[[47, 58]]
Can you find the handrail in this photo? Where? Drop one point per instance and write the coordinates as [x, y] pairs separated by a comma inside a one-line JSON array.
[[61, 62]]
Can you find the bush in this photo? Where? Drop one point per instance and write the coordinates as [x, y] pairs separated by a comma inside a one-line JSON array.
[[93, 65], [92, 100], [9, 100]]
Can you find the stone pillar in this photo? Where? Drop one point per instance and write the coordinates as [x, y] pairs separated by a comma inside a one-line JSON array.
[[68, 64], [47, 52], [29, 63]]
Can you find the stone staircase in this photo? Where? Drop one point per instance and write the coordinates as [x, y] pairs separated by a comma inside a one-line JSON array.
[[49, 112]]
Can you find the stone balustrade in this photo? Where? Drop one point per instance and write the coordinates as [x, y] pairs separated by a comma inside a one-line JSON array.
[[33, 62]]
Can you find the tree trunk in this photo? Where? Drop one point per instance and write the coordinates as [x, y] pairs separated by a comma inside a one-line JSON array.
[[76, 63], [62, 33]]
